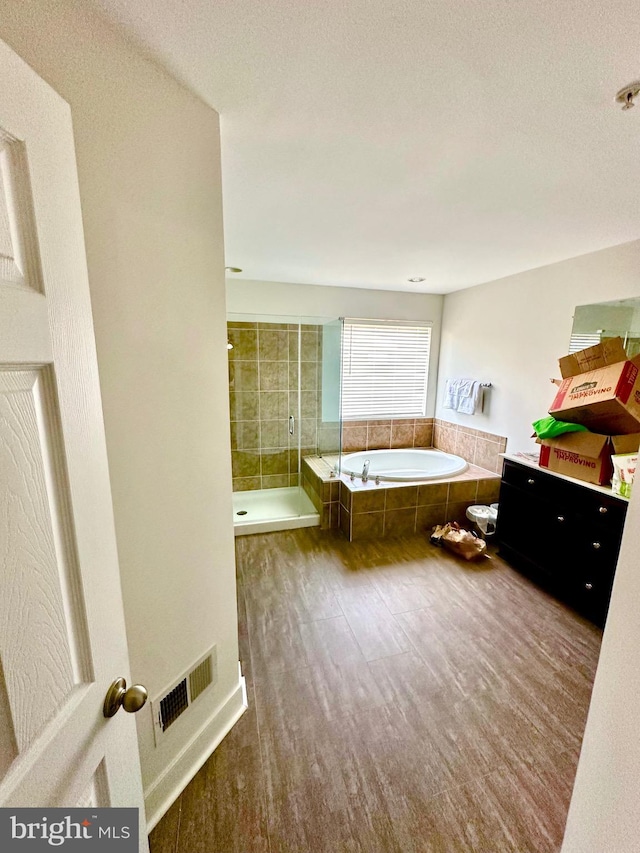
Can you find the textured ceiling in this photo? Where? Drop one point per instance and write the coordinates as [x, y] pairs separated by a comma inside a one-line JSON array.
[[369, 141]]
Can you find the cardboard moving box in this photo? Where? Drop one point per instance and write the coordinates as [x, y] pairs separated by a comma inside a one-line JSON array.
[[606, 397], [609, 351], [585, 455]]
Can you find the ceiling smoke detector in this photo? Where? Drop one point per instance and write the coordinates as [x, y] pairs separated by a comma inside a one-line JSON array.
[[628, 94], [416, 279]]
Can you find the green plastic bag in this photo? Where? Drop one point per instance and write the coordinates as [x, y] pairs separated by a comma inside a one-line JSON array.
[[549, 427]]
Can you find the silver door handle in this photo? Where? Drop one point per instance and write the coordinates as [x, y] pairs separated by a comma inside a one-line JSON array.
[[119, 697], [292, 424]]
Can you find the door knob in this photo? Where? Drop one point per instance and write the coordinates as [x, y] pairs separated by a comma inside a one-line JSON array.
[[117, 695]]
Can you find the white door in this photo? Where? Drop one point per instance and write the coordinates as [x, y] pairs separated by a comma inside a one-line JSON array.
[[62, 636]]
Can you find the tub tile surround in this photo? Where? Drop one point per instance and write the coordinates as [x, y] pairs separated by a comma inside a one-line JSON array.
[[393, 509], [385, 434], [397, 509], [366, 510], [476, 446]]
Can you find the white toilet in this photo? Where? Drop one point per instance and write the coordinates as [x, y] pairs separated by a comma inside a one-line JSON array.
[[484, 517]]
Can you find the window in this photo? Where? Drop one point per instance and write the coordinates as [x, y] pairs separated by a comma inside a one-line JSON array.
[[579, 342], [385, 366]]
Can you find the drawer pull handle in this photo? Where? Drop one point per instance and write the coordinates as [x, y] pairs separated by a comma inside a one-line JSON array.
[[603, 510], [561, 518], [596, 545], [531, 482], [588, 586]]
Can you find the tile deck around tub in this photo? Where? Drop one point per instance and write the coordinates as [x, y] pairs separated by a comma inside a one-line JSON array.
[[366, 510]]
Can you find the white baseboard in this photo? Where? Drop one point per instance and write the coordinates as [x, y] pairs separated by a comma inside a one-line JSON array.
[[174, 779]]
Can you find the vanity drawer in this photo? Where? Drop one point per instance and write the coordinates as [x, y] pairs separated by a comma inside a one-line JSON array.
[[563, 531], [530, 480]]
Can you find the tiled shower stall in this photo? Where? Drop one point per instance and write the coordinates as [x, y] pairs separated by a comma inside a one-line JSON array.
[[275, 374]]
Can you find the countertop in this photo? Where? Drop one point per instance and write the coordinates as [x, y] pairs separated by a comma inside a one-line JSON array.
[[531, 463]]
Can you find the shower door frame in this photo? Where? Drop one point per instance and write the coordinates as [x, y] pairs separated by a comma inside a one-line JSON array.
[[262, 321]]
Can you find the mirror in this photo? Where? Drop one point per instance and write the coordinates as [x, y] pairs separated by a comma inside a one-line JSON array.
[[594, 323]]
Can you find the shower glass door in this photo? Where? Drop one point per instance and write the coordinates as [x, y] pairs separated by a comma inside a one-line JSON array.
[[277, 404]]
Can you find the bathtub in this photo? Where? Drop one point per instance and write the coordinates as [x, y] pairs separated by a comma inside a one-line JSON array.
[[404, 464]]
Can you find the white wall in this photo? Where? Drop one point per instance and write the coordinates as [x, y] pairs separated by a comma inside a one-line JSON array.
[[604, 814], [307, 300], [149, 170], [511, 332]]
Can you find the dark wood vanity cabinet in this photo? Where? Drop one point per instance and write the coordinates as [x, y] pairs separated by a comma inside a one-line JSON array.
[[562, 533]]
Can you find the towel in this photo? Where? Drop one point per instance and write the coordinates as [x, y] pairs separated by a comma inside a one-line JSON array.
[[463, 395]]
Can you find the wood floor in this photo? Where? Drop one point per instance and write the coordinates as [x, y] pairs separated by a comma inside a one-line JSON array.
[[400, 700]]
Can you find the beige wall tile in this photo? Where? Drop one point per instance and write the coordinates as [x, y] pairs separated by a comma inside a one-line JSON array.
[[242, 324], [399, 522], [444, 438], [274, 376], [488, 491], [244, 405], [245, 344], [433, 493], [379, 437], [309, 404], [274, 434], [466, 445], [346, 496], [273, 345], [367, 525], [275, 481], [245, 464], [309, 376], [244, 484], [354, 438], [402, 434], [402, 496], [463, 490], [368, 500], [273, 405], [457, 511], [428, 516], [488, 455], [345, 522], [309, 346], [274, 463], [293, 345], [245, 435], [423, 435]]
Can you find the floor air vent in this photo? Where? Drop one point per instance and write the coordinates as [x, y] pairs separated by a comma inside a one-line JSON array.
[[174, 701], [173, 704]]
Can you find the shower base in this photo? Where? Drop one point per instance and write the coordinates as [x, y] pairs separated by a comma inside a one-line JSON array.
[[266, 510]]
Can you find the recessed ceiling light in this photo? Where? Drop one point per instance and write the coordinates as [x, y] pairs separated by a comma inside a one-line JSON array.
[[627, 95], [233, 269], [416, 279]]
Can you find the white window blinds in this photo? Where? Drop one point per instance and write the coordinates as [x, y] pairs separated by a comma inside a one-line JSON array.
[[579, 342], [385, 366]]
